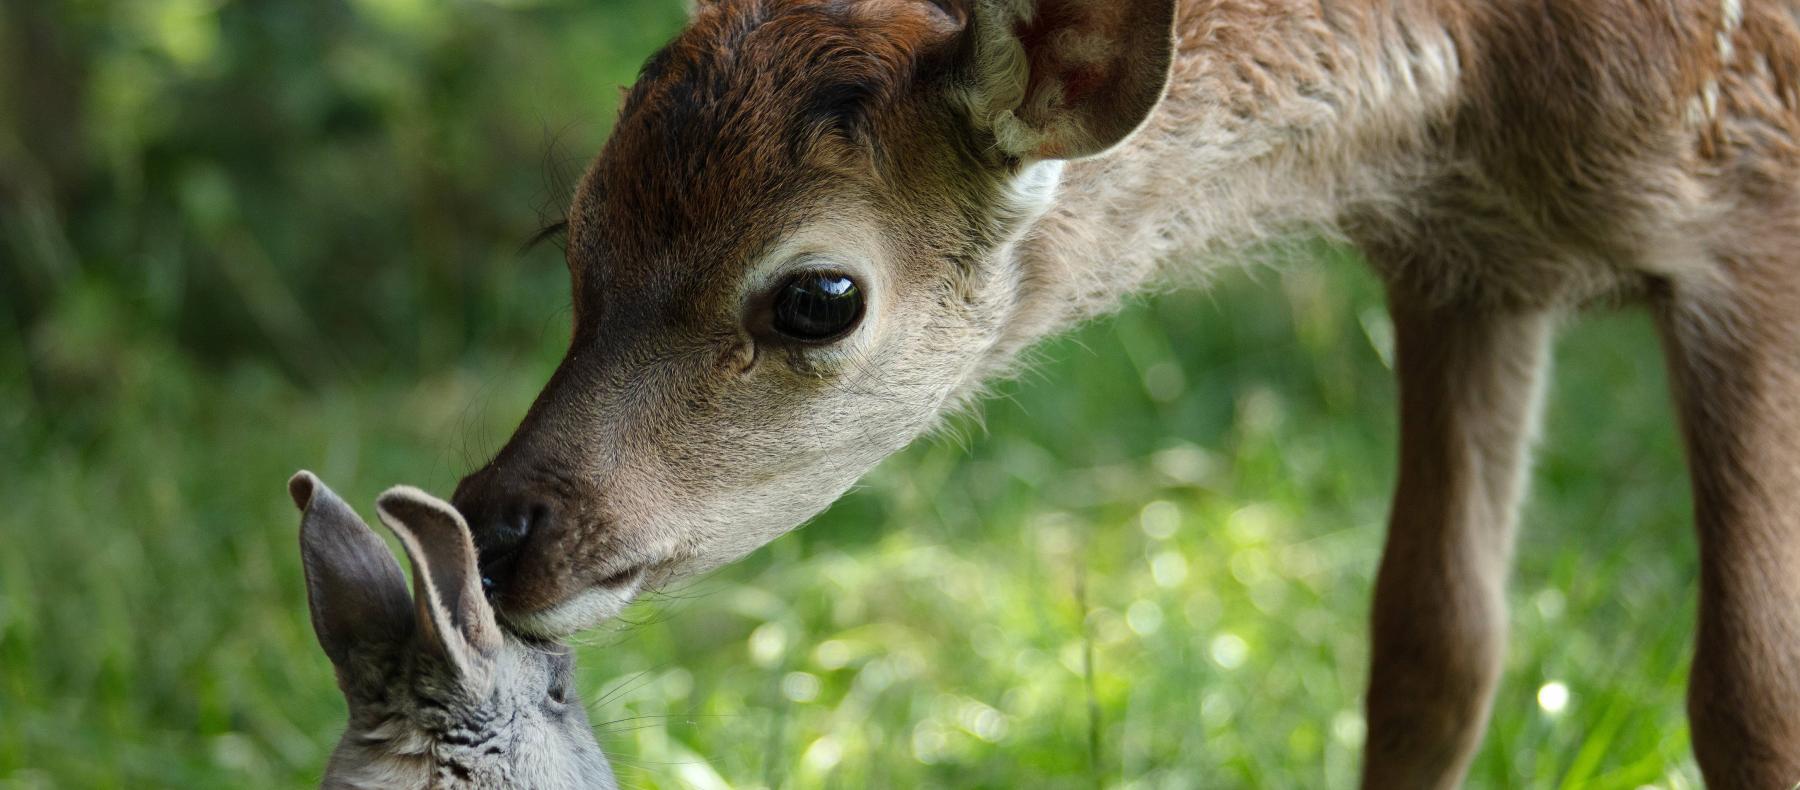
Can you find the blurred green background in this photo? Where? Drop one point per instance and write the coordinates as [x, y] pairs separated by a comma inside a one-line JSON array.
[[239, 237]]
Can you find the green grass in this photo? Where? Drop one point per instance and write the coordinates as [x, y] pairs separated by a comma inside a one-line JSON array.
[[1190, 494]]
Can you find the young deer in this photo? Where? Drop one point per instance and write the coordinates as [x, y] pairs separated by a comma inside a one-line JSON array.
[[439, 696], [820, 225]]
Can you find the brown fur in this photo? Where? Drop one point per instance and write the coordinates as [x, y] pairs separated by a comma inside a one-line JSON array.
[[1500, 162]]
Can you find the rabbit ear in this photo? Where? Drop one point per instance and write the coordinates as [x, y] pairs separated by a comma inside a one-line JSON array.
[[353, 586], [453, 615]]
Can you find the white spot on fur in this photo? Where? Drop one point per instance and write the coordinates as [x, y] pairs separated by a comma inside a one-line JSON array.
[[1034, 190], [1696, 113], [1733, 13], [1438, 66], [1426, 72]]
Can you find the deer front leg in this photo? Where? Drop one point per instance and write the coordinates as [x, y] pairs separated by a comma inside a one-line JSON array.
[[1470, 384], [1734, 356]]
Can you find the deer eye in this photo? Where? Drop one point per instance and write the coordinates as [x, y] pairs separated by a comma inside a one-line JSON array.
[[818, 307]]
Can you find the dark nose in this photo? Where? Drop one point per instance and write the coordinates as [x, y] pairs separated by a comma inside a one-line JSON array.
[[502, 518]]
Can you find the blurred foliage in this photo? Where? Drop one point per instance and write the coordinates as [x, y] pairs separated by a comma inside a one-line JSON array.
[[323, 185], [238, 237]]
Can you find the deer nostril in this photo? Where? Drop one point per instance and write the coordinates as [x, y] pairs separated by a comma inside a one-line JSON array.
[[498, 543], [512, 529]]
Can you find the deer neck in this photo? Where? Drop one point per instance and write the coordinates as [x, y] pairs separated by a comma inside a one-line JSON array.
[[1281, 115]]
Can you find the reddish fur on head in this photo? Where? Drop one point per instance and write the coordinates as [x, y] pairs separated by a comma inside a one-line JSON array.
[[770, 138]]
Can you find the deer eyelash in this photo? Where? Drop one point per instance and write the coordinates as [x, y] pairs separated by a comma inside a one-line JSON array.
[[557, 231]]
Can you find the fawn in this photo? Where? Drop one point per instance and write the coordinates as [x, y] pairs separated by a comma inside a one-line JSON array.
[[821, 225], [439, 696]]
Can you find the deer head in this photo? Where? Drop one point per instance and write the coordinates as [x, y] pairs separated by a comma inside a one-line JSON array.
[[793, 257]]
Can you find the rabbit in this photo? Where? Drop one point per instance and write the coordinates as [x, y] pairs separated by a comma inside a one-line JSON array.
[[439, 696]]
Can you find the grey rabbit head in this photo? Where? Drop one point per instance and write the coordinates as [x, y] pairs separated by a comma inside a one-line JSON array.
[[439, 695]]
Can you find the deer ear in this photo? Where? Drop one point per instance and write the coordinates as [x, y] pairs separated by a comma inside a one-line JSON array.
[[353, 586], [1066, 79], [454, 617]]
